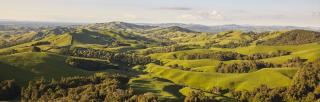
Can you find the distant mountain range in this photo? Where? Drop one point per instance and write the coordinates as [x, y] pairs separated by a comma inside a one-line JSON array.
[[221, 28], [194, 27], [34, 23]]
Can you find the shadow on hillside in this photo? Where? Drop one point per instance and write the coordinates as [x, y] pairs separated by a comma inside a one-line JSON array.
[[9, 72], [173, 89]]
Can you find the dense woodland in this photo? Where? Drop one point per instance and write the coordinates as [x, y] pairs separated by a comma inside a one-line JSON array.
[[305, 87], [124, 58], [90, 65], [229, 55], [107, 88], [249, 66], [167, 49], [243, 67]]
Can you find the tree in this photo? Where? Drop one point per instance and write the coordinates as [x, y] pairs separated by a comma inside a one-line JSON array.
[[35, 49], [8, 90]]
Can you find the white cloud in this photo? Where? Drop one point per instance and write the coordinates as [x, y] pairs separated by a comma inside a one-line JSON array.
[[202, 15], [190, 17], [176, 8], [316, 14]]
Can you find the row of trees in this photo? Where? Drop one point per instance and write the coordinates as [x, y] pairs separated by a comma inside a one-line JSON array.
[[245, 67], [220, 55], [305, 87], [257, 56], [176, 66], [231, 44], [90, 65], [228, 55], [41, 43], [199, 96], [122, 57], [167, 49], [96, 88]]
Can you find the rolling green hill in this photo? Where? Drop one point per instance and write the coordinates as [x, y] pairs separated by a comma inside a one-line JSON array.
[[277, 77], [173, 61], [32, 65]]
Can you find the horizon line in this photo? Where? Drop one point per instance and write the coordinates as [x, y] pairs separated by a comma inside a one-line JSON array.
[[67, 22]]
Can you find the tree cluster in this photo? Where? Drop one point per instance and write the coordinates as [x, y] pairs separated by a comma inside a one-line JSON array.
[[220, 55], [166, 49], [305, 87], [198, 96], [232, 44], [252, 65], [35, 49], [9, 90], [294, 62], [96, 88], [243, 67], [228, 55], [41, 43], [90, 65], [257, 56], [176, 66], [121, 57]]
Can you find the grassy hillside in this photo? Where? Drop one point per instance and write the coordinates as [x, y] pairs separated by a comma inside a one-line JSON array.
[[308, 51], [207, 80], [181, 61], [165, 89], [294, 37], [32, 65]]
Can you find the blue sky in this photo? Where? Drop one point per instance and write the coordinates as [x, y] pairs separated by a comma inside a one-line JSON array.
[[208, 12]]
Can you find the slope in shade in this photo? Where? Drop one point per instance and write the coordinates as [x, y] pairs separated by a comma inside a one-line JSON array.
[[32, 65]]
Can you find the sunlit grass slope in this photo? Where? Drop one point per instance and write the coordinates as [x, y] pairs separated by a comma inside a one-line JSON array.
[[207, 80], [307, 51], [164, 89]]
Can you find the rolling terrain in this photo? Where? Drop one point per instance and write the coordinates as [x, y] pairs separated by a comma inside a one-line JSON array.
[[171, 62]]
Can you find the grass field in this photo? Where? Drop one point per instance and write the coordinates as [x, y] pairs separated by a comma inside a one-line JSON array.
[[165, 89], [32, 65], [275, 77], [167, 83]]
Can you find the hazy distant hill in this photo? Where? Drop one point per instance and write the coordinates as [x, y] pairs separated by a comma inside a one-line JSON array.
[[144, 26], [221, 28]]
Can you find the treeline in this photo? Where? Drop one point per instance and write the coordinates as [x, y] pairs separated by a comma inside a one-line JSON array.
[[257, 56], [96, 88], [305, 87], [243, 67], [228, 55], [90, 65], [121, 57], [41, 43], [9, 90], [220, 55], [231, 44], [294, 62], [176, 66], [199, 96], [167, 49], [249, 66]]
